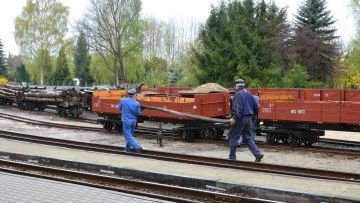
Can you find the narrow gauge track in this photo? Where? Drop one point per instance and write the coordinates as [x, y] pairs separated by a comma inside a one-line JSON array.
[[345, 143], [140, 129], [313, 149], [51, 109], [142, 188], [199, 160], [169, 133]]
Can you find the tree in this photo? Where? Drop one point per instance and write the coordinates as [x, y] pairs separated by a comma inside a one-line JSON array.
[[99, 71], [62, 73], [82, 61], [21, 75], [44, 60], [314, 42], [237, 39], [3, 71], [355, 5], [155, 71], [114, 29], [41, 26], [297, 77]]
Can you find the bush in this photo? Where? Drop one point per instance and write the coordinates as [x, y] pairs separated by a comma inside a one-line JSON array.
[[3, 80]]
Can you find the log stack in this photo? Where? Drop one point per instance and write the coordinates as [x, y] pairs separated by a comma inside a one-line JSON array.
[[8, 94]]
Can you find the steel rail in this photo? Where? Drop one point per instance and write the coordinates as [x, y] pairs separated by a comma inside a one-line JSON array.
[[346, 143], [313, 149], [190, 159], [140, 129], [168, 133], [143, 188]]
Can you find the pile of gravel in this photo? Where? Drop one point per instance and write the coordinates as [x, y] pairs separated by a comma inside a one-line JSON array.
[[209, 87]]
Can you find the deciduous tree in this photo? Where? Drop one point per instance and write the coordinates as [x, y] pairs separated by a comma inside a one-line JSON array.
[[114, 28], [41, 26]]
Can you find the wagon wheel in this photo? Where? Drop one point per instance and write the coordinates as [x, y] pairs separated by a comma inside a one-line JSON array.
[[294, 141], [219, 132], [202, 134], [208, 133], [62, 113], [118, 127], [268, 138], [187, 135], [284, 140], [308, 142], [211, 133], [275, 139], [108, 125]]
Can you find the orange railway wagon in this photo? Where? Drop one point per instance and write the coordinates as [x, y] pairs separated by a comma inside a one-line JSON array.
[[300, 116], [214, 105]]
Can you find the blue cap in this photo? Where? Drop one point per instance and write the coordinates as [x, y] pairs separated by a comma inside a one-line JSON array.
[[240, 82], [131, 91]]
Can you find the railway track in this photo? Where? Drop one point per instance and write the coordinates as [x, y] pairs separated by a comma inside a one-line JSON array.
[[140, 129], [141, 188], [150, 130], [345, 143], [199, 160]]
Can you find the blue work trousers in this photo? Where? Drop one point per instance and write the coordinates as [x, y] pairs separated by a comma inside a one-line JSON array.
[[253, 128], [128, 131], [242, 128]]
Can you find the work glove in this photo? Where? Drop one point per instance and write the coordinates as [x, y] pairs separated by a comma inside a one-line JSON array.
[[232, 121], [254, 118]]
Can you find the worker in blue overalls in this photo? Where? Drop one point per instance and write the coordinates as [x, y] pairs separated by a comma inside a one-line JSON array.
[[244, 107], [253, 124], [130, 110]]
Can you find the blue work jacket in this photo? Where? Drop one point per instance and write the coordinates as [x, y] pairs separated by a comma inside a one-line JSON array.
[[244, 104], [130, 109]]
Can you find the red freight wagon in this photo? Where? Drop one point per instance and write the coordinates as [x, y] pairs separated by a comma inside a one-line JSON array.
[[215, 105], [303, 118]]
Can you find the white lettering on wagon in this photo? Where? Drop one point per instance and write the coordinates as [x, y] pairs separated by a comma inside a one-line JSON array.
[[297, 111], [266, 110], [115, 106]]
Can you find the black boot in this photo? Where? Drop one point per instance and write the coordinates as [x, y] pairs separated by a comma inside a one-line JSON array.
[[258, 159]]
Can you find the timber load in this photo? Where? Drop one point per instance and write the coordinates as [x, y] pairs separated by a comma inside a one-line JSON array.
[[8, 94], [67, 101]]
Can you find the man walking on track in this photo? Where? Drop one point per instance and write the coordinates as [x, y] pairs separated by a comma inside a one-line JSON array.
[[244, 107], [130, 110]]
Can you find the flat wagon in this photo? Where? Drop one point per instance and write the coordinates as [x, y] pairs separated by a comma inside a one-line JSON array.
[[214, 105]]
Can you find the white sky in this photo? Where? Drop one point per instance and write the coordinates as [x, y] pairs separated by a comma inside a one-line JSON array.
[[167, 10]]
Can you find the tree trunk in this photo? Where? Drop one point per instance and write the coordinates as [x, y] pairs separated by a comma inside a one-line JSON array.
[[187, 115]]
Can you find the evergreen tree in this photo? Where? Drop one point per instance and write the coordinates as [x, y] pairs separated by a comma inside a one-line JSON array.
[[21, 75], [62, 73], [237, 40], [314, 41], [82, 61], [3, 71]]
